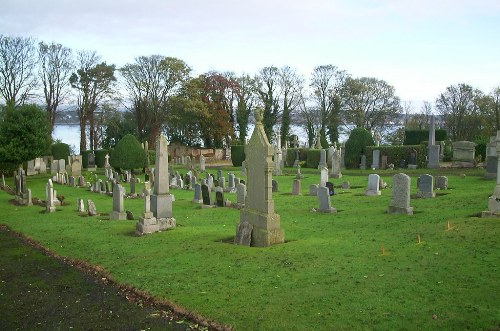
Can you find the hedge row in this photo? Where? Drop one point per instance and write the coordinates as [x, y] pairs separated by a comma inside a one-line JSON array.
[[60, 151], [313, 156], [416, 137], [397, 153], [290, 155]]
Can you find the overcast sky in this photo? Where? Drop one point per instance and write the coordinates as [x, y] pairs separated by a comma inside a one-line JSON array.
[[420, 47]]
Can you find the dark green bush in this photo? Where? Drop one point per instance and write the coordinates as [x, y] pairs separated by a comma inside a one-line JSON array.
[[397, 153], [100, 157], [128, 154], [416, 137], [60, 151], [85, 158], [313, 156], [7, 169], [481, 144], [355, 146], [237, 155], [290, 155]]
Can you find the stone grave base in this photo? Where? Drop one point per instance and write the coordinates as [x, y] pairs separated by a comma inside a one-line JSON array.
[[463, 164], [263, 236], [412, 166], [331, 210], [203, 206], [151, 225], [426, 195], [433, 166], [161, 205], [490, 214], [371, 192], [400, 210], [116, 215]]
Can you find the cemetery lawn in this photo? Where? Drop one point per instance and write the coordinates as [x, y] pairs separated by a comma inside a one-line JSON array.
[[329, 275]]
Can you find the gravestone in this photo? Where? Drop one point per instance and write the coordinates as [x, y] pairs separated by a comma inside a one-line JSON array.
[[259, 204], [494, 199], [433, 157], [324, 203], [147, 222], [205, 194], [118, 212], [54, 167], [243, 234], [441, 183], [463, 154], [412, 163], [425, 186], [322, 159], [43, 167], [313, 189], [299, 174], [241, 194], [91, 162], [30, 168], [221, 182], [491, 159], [76, 168], [275, 186], [202, 162], [197, 194], [331, 188], [80, 205], [231, 187], [72, 182], [375, 159], [161, 199], [243, 169], [346, 185], [49, 197], [61, 165], [400, 201], [296, 187], [373, 185], [219, 198], [133, 181], [106, 162], [91, 210], [323, 176], [336, 165], [362, 164]]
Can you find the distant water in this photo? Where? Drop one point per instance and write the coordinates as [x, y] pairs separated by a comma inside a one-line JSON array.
[[68, 134]]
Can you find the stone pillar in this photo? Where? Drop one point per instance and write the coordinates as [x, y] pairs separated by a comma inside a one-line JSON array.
[[161, 200]]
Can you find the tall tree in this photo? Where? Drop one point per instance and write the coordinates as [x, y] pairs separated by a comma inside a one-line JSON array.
[[24, 134], [94, 82], [55, 68], [459, 110], [370, 103], [291, 85], [308, 116], [17, 69], [246, 103], [268, 90], [220, 95], [327, 82], [150, 82]]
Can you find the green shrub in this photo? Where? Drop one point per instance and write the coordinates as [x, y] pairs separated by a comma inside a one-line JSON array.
[[355, 146], [60, 151], [237, 155], [100, 157], [7, 168], [397, 153], [313, 156], [416, 137], [481, 144], [290, 155], [128, 154]]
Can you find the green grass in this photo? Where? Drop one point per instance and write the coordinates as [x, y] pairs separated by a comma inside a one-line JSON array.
[[329, 275]]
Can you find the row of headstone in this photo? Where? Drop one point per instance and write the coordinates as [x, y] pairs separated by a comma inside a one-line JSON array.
[[494, 199]]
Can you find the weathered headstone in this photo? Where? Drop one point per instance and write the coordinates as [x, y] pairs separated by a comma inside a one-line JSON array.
[[241, 194], [362, 164], [336, 165], [299, 174], [205, 194], [219, 198], [323, 176], [30, 168], [441, 183], [76, 168], [91, 210], [324, 203], [202, 162], [463, 154], [373, 185], [197, 194], [313, 189], [259, 204], [80, 205], [346, 185], [297, 159], [383, 162], [494, 199], [412, 163], [296, 187], [91, 162], [49, 197], [491, 159], [54, 167], [274, 186], [425, 186], [243, 234], [118, 212], [433, 157], [322, 159], [400, 201]]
